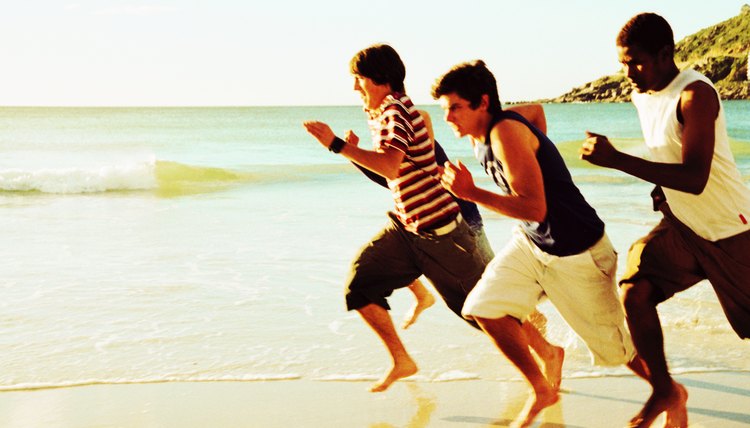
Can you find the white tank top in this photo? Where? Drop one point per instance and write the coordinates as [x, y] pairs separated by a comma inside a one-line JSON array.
[[723, 209]]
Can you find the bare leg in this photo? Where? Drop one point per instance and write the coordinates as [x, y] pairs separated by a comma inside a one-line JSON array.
[[510, 338], [638, 366], [552, 356], [403, 365], [424, 301], [645, 327]]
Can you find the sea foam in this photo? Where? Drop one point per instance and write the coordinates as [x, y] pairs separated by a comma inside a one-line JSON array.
[[135, 176], [167, 178]]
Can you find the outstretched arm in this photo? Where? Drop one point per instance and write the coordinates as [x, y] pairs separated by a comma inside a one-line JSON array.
[[385, 161], [699, 107], [376, 178], [534, 113]]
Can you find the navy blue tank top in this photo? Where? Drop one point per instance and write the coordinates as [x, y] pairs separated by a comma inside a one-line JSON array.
[[571, 225]]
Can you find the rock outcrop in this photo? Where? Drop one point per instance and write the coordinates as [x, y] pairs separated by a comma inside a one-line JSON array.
[[721, 52]]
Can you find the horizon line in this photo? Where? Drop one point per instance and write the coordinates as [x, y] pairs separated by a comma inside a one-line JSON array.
[[52, 106]]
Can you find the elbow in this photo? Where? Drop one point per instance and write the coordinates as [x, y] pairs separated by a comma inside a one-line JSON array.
[[391, 174], [695, 190], [697, 186], [538, 214], [539, 217], [391, 166]]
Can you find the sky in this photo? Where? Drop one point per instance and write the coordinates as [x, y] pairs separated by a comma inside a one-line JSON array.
[[279, 52]]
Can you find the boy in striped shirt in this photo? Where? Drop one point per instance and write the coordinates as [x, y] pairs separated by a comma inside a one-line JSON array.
[[426, 234]]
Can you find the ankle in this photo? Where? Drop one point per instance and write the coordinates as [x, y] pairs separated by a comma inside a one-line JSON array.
[[549, 351], [664, 387]]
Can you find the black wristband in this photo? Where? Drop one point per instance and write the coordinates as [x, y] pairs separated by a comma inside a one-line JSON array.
[[336, 145]]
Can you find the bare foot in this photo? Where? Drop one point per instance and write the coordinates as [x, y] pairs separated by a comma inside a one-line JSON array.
[[422, 303], [400, 370], [674, 402], [553, 366], [537, 402], [677, 416]]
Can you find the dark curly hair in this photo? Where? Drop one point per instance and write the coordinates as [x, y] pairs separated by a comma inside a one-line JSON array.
[[470, 80]]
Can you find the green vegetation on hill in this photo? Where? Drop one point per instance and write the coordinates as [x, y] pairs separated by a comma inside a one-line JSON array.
[[720, 52]]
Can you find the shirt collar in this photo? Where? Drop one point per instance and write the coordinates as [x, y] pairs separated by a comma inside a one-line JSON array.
[[388, 100]]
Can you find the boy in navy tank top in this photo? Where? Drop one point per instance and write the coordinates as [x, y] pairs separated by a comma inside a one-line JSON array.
[[559, 250]]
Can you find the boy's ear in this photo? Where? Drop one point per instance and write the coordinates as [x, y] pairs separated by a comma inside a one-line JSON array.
[[666, 54], [484, 104]]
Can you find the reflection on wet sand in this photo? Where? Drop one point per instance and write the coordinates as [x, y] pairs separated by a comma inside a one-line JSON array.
[[511, 401], [425, 407]]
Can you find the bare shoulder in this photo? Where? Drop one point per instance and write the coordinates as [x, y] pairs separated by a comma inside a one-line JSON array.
[[512, 136], [699, 98], [427, 123], [699, 90], [508, 128], [425, 116]]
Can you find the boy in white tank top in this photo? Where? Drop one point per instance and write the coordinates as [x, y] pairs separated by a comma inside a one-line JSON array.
[[705, 232]]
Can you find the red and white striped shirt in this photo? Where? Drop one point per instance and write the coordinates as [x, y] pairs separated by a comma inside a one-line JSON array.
[[421, 201]]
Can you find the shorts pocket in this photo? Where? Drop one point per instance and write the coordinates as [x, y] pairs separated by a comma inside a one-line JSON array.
[[465, 242], [605, 260]]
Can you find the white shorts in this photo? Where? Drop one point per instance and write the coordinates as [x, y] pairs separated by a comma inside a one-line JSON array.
[[582, 288]]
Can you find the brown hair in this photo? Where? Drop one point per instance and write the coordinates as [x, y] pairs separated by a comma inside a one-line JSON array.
[[380, 63], [470, 81]]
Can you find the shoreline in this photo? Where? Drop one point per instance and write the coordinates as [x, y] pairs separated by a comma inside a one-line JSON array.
[[716, 399], [456, 376]]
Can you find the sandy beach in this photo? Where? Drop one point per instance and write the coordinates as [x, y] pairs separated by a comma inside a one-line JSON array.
[[716, 400]]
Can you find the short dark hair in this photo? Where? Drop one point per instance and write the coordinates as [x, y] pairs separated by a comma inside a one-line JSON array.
[[380, 63], [470, 81], [647, 31]]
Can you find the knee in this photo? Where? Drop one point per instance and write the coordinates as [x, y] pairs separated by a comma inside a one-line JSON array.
[[637, 295]]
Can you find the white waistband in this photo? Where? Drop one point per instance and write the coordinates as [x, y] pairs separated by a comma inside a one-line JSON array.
[[448, 228]]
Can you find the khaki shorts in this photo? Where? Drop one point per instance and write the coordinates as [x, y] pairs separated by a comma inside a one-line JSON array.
[[673, 258], [582, 288], [664, 258]]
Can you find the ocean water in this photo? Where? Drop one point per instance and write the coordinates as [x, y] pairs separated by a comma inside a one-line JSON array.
[[178, 244]]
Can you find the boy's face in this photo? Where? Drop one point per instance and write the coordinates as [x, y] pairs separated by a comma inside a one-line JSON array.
[[644, 70], [372, 94], [460, 116]]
